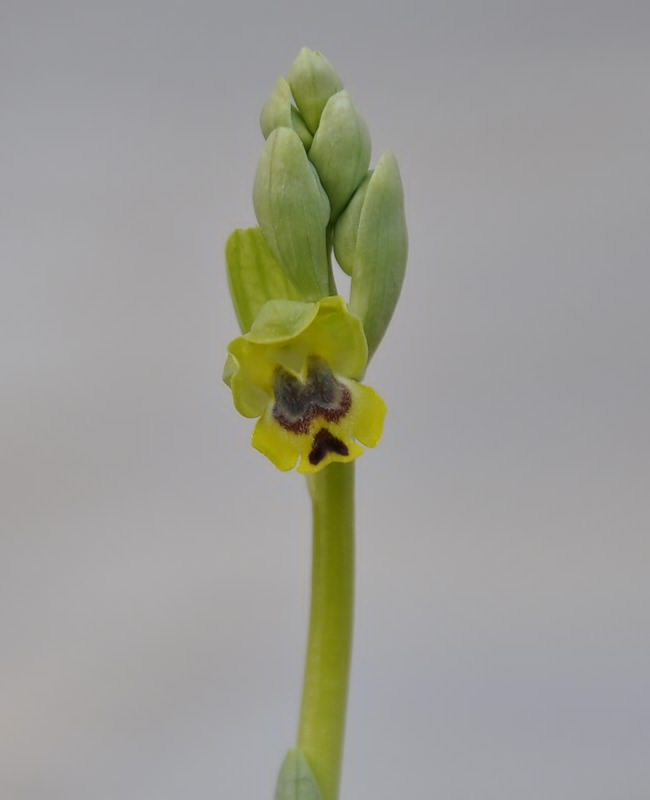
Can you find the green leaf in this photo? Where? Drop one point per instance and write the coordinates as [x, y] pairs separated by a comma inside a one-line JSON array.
[[381, 251], [293, 211], [340, 150], [254, 275], [296, 781]]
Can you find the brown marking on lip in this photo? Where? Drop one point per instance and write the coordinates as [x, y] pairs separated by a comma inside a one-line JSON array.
[[324, 443], [297, 404]]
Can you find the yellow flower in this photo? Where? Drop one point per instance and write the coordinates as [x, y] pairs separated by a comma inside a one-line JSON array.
[[298, 370]]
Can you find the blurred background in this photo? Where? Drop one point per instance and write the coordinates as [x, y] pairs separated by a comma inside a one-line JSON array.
[[154, 569]]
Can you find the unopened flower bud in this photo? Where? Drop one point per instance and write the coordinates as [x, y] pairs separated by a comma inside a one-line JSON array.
[[347, 227], [313, 80], [380, 252], [293, 212], [340, 150], [279, 112]]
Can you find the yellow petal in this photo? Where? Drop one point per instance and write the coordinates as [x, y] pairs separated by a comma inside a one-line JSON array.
[[337, 337], [280, 321], [256, 366], [368, 413], [230, 368], [247, 397], [275, 443]]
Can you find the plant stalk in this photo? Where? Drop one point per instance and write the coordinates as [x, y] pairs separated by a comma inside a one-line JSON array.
[[324, 700]]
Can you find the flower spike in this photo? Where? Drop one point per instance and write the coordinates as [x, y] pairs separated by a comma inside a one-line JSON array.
[[297, 367]]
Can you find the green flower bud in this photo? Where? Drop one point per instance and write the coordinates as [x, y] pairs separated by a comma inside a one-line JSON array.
[[380, 253], [340, 150], [293, 212], [313, 80], [278, 112], [347, 227]]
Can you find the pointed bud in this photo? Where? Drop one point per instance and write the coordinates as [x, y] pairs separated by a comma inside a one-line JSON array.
[[293, 211], [340, 150], [380, 252], [313, 80], [278, 112], [347, 228]]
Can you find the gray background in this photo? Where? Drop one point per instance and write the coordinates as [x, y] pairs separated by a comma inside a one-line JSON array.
[[154, 568]]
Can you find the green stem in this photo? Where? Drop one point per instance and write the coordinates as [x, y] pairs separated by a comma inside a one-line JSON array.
[[324, 700]]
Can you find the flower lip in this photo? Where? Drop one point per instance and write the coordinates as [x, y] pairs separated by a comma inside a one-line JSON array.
[[297, 404]]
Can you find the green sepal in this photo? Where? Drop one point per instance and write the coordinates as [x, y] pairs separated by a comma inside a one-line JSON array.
[[296, 781], [313, 80], [346, 228], [254, 275], [279, 112], [340, 150], [293, 211], [381, 251]]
